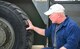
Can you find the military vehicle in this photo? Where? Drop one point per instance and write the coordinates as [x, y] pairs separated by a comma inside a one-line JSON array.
[[13, 21]]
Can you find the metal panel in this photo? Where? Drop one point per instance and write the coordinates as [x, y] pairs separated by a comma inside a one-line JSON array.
[[42, 6], [73, 10]]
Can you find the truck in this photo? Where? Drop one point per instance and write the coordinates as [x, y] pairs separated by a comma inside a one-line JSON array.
[[13, 21]]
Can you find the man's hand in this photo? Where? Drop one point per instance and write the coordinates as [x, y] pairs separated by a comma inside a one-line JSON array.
[[38, 30], [63, 47], [30, 25]]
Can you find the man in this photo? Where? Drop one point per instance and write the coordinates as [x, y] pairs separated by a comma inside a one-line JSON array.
[[63, 31]]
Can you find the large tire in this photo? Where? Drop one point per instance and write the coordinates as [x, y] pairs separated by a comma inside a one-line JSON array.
[[13, 34]]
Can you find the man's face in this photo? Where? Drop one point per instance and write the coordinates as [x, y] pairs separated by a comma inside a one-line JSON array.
[[53, 17]]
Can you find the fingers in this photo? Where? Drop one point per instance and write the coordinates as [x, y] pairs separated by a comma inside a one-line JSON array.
[[30, 24], [29, 21], [28, 28]]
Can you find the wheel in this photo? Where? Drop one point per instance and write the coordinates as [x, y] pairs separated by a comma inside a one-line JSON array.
[[13, 33]]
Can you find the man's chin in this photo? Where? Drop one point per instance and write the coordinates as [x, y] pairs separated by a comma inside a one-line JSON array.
[[53, 22]]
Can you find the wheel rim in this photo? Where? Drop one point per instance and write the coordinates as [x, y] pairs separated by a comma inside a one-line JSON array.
[[7, 37]]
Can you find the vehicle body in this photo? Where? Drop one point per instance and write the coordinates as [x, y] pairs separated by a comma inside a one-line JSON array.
[[13, 33]]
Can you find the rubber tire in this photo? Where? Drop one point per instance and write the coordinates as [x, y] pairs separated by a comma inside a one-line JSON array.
[[16, 17]]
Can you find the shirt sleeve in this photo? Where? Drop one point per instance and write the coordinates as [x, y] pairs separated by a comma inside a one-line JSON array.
[[73, 38], [48, 31]]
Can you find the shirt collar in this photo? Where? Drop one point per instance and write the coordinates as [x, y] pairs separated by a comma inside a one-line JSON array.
[[65, 22]]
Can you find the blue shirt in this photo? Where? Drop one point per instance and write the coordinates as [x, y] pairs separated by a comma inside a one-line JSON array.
[[68, 34]]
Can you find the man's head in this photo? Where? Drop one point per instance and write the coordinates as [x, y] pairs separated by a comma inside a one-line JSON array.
[[56, 13], [56, 8]]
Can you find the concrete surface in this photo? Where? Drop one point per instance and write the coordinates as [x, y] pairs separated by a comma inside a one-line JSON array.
[[37, 46]]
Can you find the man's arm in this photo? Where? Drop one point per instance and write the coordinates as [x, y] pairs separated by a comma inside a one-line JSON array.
[[36, 29], [39, 31], [73, 38]]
